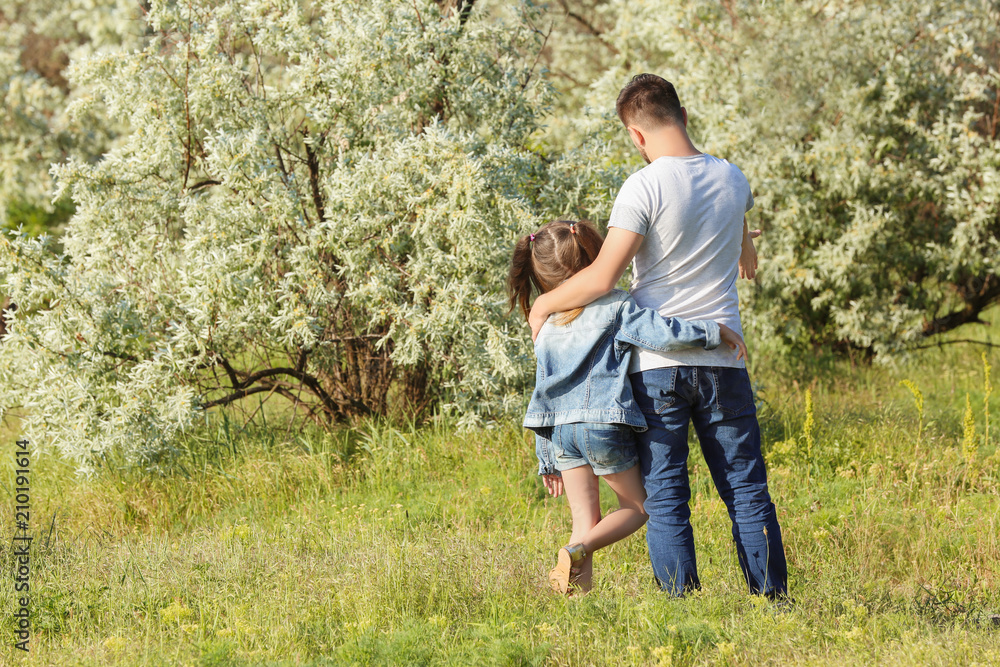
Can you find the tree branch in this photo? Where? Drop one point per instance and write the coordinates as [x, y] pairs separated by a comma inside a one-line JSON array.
[[953, 342], [203, 184], [312, 162], [235, 396], [975, 304], [589, 27]]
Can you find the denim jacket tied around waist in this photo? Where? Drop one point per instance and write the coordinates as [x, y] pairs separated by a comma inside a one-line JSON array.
[[582, 367]]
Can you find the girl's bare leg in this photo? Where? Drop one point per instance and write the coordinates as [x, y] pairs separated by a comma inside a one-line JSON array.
[[584, 498], [628, 518], [589, 529]]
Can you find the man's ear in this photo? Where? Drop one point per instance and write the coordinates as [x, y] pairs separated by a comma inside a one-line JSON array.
[[637, 137], [684, 115]]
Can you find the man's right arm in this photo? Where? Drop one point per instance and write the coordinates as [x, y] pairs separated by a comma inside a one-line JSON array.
[[594, 281]]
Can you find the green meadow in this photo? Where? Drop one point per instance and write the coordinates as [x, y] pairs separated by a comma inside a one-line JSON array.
[[420, 544]]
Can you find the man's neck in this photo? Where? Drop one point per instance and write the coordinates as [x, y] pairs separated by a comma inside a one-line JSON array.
[[669, 141]]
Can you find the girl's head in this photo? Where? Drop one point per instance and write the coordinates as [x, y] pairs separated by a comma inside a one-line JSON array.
[[548, 257]]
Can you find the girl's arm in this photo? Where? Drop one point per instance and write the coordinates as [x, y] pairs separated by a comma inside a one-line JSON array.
[[551, 478], [596, 280], [646, 328]]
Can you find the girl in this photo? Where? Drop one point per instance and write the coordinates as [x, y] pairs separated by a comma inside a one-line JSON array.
[[582, 410]]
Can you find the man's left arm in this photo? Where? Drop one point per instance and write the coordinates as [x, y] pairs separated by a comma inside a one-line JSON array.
[[748, 253]]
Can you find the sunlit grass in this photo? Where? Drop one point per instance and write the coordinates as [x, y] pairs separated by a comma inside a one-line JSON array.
[[400, 545]]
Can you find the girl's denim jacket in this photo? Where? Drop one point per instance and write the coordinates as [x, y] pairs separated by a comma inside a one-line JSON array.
[[582, 371]]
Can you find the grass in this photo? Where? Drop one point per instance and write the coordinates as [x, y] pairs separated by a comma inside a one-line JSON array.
[[400, 545]]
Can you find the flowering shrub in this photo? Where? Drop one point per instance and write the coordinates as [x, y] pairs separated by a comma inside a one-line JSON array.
[[314, 201], [868, 131]]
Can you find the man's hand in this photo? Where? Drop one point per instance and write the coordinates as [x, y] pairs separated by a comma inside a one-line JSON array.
[[748, 255], [733, 340], [553, 484]]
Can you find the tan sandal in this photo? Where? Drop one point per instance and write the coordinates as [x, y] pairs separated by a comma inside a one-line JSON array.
[[567, 569]]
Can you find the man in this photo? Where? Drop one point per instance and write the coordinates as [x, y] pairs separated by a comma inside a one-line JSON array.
[[681, 220]]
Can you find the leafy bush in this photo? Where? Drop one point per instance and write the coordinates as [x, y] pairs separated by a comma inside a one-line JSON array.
[[867, 130], [315, 201]]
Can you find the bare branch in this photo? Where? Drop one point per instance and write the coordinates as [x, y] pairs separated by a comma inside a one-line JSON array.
[[956, 341], [235, 396], [312, 162], [589, 27]]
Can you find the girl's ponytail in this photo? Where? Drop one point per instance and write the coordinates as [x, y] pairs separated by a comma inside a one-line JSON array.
[[548, 257], [521, 276], [590, 241]]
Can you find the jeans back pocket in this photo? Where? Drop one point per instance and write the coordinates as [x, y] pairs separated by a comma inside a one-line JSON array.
[[654, 389], [733, 393]]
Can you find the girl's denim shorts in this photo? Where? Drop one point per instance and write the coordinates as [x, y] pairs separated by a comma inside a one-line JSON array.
[[607, 448]]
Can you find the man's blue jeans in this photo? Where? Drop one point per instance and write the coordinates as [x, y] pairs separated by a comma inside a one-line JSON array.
[[719, 401]]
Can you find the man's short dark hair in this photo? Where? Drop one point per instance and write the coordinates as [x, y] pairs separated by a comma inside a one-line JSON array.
[[649, 101]]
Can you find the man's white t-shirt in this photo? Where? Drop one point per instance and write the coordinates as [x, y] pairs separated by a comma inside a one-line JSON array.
[[690, 211]]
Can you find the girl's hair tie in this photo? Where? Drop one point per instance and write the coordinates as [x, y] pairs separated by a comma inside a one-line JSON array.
[[572, 228], [531, 237]]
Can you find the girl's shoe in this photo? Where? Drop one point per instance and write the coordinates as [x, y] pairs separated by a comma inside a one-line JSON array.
[[567, 568]]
